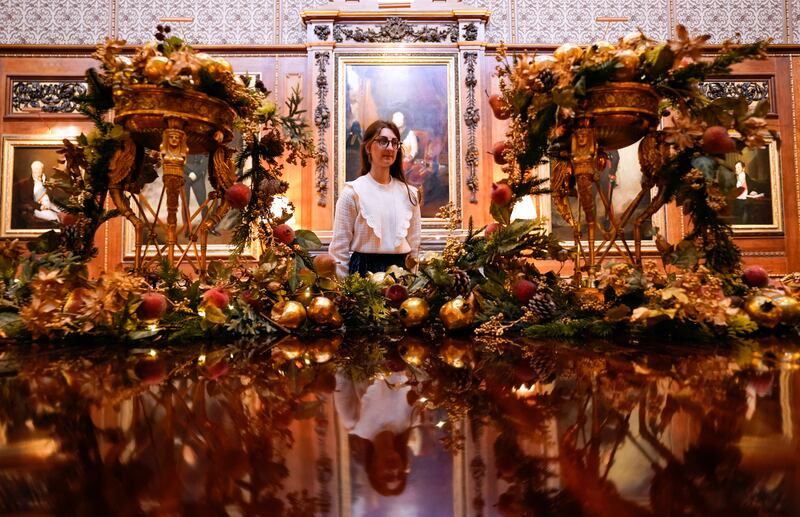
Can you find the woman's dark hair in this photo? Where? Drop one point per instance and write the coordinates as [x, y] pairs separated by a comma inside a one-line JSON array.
[[396, 168]]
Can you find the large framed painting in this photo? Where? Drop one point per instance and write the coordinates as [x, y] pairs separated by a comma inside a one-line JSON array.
[[751, 181], [416, 92], [620, 184], [30, 201]]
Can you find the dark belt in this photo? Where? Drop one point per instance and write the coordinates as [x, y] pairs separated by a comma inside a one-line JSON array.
[[364, 263]]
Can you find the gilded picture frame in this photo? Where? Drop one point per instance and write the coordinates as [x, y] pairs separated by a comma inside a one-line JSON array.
[[759, 210], [28, 201], [423, 90]]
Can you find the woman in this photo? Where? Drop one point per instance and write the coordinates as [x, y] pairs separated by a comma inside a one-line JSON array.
[[377, 215]]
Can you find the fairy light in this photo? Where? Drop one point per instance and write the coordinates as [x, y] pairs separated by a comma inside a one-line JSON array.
[[201, 359], [201, 313], [152, 353], [153, 327]]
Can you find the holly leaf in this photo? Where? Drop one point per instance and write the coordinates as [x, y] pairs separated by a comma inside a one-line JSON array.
[[501, 214], [307, 239], [306, 276], [685, 255]]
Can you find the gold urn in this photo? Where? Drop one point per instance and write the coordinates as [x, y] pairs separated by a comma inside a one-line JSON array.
[[176, 123], [620, 113]]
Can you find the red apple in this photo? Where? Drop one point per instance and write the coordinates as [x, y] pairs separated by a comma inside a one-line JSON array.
[[716, 140], [396, 294], [284, 233], [325, 265], [153, 306], [497, 151], [216, 297], [523, 290], [499, 107], [501, 194], [755, 276], [491, 228], [238, 195]]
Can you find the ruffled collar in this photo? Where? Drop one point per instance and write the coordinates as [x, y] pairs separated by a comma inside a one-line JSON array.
[[379, 217]]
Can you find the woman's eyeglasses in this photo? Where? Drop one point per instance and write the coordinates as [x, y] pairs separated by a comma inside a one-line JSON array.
[[386, 143]]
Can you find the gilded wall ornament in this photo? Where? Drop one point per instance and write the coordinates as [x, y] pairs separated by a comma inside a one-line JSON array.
[[396, 30], [322, 119]]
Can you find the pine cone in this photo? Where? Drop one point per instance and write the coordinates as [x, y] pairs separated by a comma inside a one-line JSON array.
[[548, 79], [542, 305], [346, 306], [461, 283]]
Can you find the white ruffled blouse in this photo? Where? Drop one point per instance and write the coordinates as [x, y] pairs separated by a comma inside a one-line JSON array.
[[372, 217]]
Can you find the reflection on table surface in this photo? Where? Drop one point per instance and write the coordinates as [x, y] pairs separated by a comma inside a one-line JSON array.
[[412, 427]]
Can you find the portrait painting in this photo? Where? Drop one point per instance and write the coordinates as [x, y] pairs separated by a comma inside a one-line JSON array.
[[30, 197], [417, 93], [750, 181], [619, 184]]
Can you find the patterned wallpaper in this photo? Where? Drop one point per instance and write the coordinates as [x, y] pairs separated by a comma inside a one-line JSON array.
[[724, 18], [43, 22], [278, 21], [556, 21], [215, 22]]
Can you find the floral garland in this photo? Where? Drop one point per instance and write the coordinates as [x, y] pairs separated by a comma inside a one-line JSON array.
[[486, 283]]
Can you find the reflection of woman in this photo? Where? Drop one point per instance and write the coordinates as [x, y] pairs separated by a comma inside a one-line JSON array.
[[378, 419], [44, 209], [377, 215]]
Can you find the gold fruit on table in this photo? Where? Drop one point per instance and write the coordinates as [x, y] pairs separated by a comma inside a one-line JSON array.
[[763, 311], [458, 313], [321, 309], [289, 314], [790, 309], [413, 312]]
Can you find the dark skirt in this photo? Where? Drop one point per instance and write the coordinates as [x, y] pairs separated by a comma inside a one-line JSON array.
[[364, 263]]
